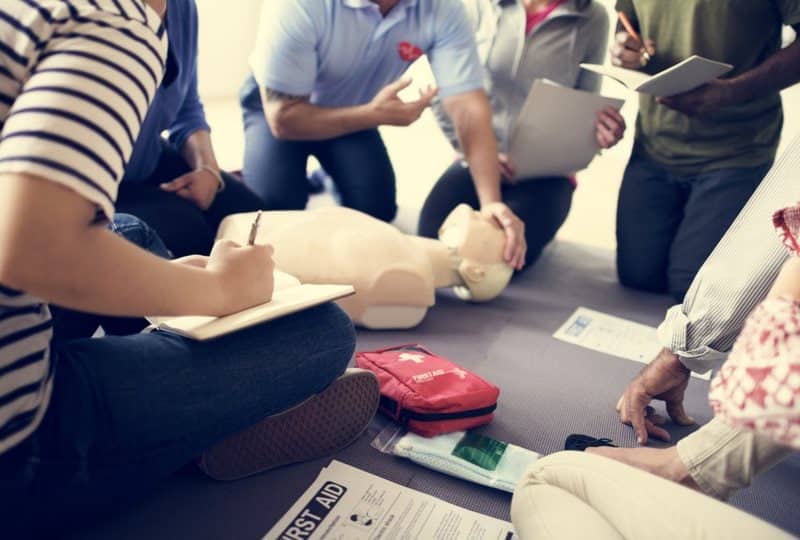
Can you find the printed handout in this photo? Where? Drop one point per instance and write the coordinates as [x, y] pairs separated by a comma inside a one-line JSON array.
[[612, 335], [346, 503]]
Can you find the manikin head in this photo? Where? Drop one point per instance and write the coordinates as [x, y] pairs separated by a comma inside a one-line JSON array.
[[478, 242]]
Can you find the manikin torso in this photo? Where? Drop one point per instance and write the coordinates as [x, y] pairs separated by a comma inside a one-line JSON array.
[[395, 275]]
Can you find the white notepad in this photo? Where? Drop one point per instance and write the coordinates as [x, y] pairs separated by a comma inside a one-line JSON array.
[[687, 75], [290, 296], [555, 131]]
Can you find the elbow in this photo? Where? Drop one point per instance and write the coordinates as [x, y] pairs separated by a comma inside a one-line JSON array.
[[13, 270], [280, 124]]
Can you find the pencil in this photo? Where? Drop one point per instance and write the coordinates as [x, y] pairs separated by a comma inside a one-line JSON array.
[[626, 22], [254, 229]]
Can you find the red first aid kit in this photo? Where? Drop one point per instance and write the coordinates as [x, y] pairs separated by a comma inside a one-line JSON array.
[[428, 393]]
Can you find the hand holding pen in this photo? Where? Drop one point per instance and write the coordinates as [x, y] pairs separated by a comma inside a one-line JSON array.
[[630, 50]]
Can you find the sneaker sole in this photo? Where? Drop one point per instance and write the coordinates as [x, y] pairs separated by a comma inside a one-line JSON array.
[[319, 426]]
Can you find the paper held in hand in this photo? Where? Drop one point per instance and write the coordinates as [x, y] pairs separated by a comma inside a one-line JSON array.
[[687, 75], [555, 132], [289, 296], [345, 503]]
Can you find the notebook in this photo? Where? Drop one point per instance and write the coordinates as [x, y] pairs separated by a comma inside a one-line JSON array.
[[555, 131], [687, 75], [289, 296]]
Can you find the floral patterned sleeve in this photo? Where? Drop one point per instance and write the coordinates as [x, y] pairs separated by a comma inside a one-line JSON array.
[[758, 388]]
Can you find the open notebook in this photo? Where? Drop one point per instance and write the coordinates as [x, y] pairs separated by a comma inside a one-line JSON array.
[[555, 131], [687, 75], [290, 296]]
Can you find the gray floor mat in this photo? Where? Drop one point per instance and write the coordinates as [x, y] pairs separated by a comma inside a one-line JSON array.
[[549, 390]]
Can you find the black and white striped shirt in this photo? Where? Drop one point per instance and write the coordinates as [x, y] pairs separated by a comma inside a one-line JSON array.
[[76, 78]]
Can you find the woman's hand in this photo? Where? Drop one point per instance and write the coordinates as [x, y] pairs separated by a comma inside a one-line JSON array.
[[610, 127], [507, 169]]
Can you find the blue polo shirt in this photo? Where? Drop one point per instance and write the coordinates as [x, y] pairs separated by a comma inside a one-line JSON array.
[[342, 52], [176, 107]]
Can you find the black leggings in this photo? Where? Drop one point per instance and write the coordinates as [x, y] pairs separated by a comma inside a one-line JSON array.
[[184, 228], [542, 203]]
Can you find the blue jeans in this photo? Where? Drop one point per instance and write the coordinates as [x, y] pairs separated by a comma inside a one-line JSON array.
[[668, 224], [275, 169], [128, 411]]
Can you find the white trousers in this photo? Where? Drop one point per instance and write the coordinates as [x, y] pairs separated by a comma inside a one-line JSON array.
[[578, 495]]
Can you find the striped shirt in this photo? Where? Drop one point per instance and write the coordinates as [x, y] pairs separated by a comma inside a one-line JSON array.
[[737, 275], [76, 78]]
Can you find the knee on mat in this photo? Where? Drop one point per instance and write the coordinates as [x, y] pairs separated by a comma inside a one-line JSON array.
[[641, 279], [678, 285]]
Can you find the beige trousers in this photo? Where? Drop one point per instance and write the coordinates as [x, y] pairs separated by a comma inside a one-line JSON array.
[[723, 460], [577, 495]]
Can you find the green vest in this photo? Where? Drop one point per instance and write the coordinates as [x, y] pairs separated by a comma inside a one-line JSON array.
[[743, 33]]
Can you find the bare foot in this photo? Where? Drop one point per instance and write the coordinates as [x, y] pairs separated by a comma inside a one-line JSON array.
[[662, 462]]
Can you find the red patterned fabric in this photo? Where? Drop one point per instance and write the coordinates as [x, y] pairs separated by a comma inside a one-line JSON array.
[[787, 223], [758, 388]]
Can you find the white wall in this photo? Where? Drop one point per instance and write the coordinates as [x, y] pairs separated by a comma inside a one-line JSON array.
[[226, 36]]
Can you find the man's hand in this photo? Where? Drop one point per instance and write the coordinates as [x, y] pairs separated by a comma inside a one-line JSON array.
[[515, 232], [665, 378], [610, 127], [507, 169], [245, 273], [393, 111], [198, 186], [629, 53], [701, 101]]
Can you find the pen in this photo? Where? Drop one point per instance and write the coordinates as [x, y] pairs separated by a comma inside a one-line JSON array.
[[254, 229], [626, 22]]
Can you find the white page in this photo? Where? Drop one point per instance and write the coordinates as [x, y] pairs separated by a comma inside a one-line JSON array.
[[687, 75], [345, 503], [555, 132], [613, 335], [684, 76], [629, 78]]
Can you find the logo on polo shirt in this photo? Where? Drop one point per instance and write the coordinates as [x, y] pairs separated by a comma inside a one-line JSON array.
[[408, 51]]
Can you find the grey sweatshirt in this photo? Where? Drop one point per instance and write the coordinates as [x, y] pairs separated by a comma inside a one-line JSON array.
[[577, 31]]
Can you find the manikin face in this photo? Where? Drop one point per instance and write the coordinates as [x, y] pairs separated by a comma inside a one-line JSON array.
[[479, 242]]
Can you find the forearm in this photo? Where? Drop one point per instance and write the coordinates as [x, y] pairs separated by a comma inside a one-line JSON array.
[[736, 277], [297, 119], [198, 151], [777, 72], [49, 249], [472, 118]]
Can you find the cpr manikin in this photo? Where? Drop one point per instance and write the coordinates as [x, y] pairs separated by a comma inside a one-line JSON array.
[[394, 274]]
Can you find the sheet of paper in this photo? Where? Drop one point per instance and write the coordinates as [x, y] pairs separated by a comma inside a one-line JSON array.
[[612, 335], [345, 503], [555, 132]]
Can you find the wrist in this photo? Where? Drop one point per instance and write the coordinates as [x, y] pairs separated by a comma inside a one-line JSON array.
[[214, 171], [371, 116], [672, 361]]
